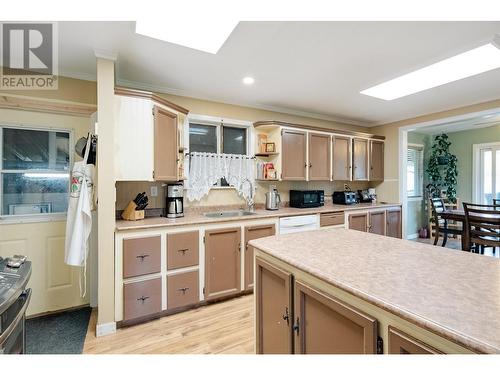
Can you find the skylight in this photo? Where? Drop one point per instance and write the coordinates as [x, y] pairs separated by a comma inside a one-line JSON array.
[[467, 64]]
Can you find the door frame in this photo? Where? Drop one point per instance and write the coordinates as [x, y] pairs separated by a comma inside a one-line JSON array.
[[477, 169], [403, 145]]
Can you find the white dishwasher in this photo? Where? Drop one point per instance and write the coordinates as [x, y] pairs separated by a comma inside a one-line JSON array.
[[299, 223]]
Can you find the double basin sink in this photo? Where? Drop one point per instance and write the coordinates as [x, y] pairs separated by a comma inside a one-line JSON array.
[[237, 213]]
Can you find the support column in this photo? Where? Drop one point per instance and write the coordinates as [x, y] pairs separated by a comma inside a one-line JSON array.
[[106, 194]]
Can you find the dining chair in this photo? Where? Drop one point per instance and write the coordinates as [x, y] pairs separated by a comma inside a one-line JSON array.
[[482, 225], [441, 224]]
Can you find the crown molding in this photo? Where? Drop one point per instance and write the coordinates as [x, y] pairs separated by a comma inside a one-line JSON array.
[[171, 91]]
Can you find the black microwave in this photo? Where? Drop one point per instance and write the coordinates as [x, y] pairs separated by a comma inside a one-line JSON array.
[[307, 198]]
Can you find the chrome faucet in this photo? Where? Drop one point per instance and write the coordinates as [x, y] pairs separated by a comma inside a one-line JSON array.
[[249, 201]]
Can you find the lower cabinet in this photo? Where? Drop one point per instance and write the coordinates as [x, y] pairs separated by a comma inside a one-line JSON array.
[[222, 262], [386, 222], [402, 343], [358, 221], [182, 289], [252, 233], [325, 325], [274, 320], [141, 298], [394, 222], [377, 222]]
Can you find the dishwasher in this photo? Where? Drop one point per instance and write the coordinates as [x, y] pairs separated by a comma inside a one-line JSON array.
[[298, 223]]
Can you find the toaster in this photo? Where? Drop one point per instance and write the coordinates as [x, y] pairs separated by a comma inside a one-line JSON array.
[[344, 197]]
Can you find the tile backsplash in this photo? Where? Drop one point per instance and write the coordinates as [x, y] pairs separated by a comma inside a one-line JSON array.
[[126, 191]]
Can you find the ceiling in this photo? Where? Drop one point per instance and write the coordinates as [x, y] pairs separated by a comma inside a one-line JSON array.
[[308, 68], [485, 121]]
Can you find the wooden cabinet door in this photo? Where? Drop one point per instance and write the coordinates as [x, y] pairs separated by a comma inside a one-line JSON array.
[[401, 343], [222, 262], [393, 217], [342, 159], [319, 157], [252, 233], [325, 325], [358, 221], [293, 158], [166, 152], [360, 159], [273, 295], [376, 160], [377, 222]]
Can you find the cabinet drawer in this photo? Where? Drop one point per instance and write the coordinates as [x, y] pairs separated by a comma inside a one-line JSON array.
[[182, 249], [141, 256], [182, 289], [141, 298], [333, 218]]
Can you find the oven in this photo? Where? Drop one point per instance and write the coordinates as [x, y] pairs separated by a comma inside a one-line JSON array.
[[307, 198], [12, 325]]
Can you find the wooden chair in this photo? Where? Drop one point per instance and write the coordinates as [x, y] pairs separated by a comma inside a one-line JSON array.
[[440, 224], [482, 225], [496, 202]]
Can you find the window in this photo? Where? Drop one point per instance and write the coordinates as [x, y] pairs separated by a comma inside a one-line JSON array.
[[218, 138], [486, 177], [34, 171], [414, 171]]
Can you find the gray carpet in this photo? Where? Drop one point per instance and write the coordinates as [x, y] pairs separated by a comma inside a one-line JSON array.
[[62, 333]]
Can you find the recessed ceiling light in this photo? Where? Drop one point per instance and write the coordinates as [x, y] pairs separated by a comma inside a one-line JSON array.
[[467, 64], [248, 80], [210, 40]]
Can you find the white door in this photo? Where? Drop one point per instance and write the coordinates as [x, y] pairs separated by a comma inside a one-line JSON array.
[[487, 173]]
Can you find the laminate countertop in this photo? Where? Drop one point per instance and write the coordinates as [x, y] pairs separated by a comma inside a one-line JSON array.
[[452, 293], [196, 216]]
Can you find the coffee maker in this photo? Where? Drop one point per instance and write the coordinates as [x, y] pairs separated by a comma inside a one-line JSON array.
[[175, 200]]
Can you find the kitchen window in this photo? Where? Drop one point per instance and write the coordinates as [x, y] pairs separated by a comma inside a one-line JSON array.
[[415, 171], [34, 171]]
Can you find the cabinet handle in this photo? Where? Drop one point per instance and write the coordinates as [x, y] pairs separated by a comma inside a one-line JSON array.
[[183, 290], [305, 165], [183, 251], [286, 316], [142, 299], [296, 326], [310, 165], [142, 257]]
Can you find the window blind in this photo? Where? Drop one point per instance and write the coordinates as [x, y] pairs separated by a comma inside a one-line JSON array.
[[414, 171]]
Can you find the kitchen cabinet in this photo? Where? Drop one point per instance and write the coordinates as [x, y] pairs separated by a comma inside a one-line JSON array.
[[182, 249], [141, 256], [326, 325], [319, 157], [342, 160], [148, 139], [402, 343], [360, 159], [166, 151], [273, 294], [358, 221], [376, 160], [182, 289], [393, 218], [141, 299], [252, 233], [294, 158], [377, 222], [331, 218], [222, 262]]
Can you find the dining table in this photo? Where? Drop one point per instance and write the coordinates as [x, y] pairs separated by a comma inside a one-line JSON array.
[[457, 216]]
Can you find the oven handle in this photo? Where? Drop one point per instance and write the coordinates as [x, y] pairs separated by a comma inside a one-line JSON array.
[[27, 295]]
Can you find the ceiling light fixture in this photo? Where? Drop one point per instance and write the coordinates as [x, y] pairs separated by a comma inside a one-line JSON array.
[[210, 40], [467, 64], [248, 80]]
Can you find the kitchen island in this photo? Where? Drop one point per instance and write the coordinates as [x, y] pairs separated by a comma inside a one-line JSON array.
[[344, 291]]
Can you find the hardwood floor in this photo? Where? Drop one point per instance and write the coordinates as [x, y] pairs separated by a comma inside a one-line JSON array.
[[221, 328], [454, 243]]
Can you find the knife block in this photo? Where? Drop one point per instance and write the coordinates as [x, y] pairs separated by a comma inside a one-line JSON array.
[[130, 212]]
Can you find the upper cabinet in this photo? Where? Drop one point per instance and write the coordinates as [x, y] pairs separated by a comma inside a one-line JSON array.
[[148, 137], [342, 160], [360, 159], [319, 157], [376, 160], [294, 157]]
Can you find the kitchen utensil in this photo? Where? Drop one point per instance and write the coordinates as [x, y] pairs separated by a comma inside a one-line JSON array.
[[273, 198]]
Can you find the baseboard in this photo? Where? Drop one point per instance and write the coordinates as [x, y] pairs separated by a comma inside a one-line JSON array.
[[412, 236], [105, 329]]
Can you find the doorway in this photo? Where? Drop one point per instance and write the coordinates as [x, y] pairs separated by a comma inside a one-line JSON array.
[[486, 173]]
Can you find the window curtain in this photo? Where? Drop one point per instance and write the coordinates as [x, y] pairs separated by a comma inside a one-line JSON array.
[[207, 168]]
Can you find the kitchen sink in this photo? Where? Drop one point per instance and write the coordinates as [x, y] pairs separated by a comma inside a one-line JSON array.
[[229, 213]]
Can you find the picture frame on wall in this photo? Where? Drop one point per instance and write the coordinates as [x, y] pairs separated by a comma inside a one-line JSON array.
[[270, 147]]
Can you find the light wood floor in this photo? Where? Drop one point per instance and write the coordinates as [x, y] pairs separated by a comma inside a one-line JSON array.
[[222, 328]]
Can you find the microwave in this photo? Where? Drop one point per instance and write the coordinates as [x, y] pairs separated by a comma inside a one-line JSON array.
[[307, 198]]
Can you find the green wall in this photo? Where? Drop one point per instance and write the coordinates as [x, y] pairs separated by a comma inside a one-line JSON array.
[[461, 146]]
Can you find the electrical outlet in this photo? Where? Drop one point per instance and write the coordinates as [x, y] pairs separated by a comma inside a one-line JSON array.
[[346, 187], [154, 191]]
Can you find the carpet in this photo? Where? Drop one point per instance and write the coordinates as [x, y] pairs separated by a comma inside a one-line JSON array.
[[61, 333]]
